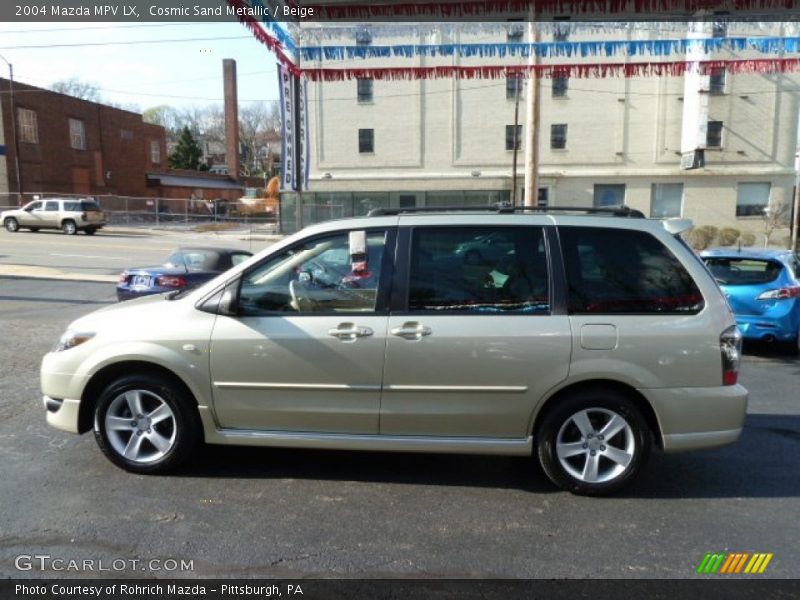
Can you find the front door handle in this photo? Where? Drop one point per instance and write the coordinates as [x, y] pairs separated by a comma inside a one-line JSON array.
[[411, 330], [348, 332]]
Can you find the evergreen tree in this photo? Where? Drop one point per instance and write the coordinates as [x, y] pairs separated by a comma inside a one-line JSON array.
[[187, 153]]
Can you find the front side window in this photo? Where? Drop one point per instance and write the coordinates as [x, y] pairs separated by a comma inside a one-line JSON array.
[[329, 274], [28, 126], [77, 134], [752, 199], [487, 270], [618, 271]]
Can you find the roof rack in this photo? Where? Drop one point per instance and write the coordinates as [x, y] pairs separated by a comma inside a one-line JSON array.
[[614, 211]]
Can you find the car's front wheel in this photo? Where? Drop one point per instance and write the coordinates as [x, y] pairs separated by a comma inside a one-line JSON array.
[[593, 442], [11, 224], [146, 424]]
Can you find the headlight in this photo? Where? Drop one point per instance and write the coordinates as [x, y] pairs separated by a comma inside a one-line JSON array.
[[70, 339]]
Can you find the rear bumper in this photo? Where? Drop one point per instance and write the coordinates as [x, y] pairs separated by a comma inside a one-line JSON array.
[[696, 418], [763, 327]]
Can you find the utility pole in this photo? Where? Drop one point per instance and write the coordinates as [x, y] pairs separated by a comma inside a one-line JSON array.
[[518, 86], [14, 129], [532, 118]]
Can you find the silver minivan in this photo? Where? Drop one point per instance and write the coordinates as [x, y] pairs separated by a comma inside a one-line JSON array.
[[583, 339]]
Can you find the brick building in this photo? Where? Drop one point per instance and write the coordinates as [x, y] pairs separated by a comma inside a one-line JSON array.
[[68, 145]]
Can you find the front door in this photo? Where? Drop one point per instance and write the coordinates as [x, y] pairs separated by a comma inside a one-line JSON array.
[[306, 351], [475, 345]]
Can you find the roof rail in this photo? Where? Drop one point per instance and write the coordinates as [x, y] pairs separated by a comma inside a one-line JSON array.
[[615, 211]]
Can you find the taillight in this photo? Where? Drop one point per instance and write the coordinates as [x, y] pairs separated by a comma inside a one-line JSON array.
[[83, 216], [123, 278], [781, 293], [730, 345], [170, 281]]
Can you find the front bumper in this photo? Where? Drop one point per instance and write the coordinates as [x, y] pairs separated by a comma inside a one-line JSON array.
[[62, 414], [697, 418]]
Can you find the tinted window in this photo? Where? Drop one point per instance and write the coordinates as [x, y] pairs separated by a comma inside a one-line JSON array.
[[89, 205], [624, 271], [317, 276], [479, 269], [72, 206], [743, 271]]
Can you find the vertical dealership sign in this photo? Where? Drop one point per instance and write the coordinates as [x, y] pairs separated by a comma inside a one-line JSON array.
[[294, 119], [695, 101]]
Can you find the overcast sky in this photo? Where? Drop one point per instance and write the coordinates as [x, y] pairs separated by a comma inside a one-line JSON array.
[[143, 75]]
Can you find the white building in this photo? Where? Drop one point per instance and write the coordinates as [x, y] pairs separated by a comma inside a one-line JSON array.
[[601, 140]]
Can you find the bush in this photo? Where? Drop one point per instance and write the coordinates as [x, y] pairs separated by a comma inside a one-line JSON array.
[[748, 238], [728, 236], [701, 238]]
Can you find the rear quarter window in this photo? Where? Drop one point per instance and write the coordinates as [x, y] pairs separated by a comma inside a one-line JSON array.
[[621, 271], [88, 205]]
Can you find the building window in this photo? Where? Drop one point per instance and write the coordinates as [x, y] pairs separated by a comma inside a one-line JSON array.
[[366, 141], [77, 134], [513, 134], [543, 197], [364, 90], [513, 86], [363, 38], [516, 33], [714, 135], [155, 152], [28, 127], [666, 200], [606, 195], [558, 136], [560, 32], [719, 29], [752, 199], [716, 81], [125, 134], [560, 86]]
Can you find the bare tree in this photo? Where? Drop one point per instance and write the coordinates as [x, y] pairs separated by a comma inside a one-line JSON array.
[[78, 89], [255, 121], [776, 216]]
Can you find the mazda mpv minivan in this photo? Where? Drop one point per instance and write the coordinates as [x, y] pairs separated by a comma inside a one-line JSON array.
[[581, 337]]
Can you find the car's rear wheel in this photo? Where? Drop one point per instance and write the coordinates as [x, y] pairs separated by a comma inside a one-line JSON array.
[[146, 424], [69, 227], [90, 230], [593, 442], [11, 224]]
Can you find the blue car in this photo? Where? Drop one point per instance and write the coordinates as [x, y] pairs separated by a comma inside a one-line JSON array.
[[763, 290], [185, 268]]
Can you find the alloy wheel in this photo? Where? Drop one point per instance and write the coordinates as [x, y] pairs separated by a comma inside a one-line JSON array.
[[140, 426]]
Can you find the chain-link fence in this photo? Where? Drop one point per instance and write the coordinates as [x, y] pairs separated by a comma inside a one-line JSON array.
[[127, 211]]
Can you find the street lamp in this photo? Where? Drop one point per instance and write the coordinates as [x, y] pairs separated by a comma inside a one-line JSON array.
[[14, 128]]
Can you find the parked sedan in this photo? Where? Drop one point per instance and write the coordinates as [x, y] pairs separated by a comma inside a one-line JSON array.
[[185, 268], [763, 289]]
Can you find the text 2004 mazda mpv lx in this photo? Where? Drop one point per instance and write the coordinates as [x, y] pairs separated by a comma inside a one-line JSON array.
[[582, 338]]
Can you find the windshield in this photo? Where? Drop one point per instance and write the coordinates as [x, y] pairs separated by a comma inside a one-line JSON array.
[[743, 271]]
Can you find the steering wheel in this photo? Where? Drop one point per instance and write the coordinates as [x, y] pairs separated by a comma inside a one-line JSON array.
[[299, 301]]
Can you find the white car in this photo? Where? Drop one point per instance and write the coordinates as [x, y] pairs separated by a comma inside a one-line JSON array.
[[70, 215]]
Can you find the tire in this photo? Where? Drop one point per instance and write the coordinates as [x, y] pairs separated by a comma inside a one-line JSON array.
[[89, 231], [123, 423], [69, 227], [11, 225], [569, 442]]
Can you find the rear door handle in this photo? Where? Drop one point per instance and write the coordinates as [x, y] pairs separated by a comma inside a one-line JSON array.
[[412, 331], [348, 332]]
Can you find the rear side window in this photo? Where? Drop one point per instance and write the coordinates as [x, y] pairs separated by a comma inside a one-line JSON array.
[[87, 205], [619, 271], [743, 271], [485, 270], [72, 206]]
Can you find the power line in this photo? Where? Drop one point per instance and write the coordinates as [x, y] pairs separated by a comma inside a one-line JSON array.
[[128, 43], [82, 29]]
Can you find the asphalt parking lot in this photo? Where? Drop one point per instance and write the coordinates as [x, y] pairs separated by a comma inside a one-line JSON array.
[[281, 513]]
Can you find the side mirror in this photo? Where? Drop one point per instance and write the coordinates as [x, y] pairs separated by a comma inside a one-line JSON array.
[[223, 302]]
